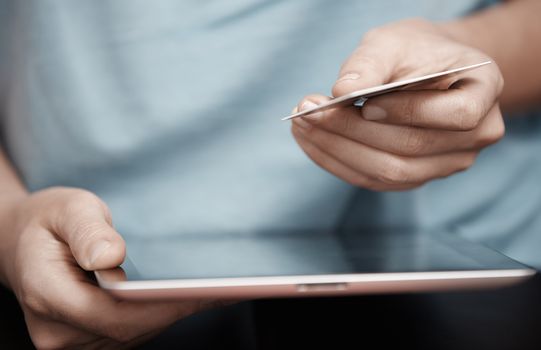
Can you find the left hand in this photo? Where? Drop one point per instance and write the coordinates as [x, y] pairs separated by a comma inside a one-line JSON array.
[[57, 233], [403, 139]]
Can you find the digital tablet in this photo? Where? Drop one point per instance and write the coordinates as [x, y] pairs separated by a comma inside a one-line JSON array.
[[305, 263]]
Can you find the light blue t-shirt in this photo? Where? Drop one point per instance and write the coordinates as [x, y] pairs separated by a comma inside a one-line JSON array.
[[170, 111]]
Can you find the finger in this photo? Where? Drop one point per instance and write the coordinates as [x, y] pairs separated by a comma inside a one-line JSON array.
[[83, 222], [460, 108], [65, 295], [371, 64], [405, 140], [340, 170], [93, 310], [385, 167], [309, 102]]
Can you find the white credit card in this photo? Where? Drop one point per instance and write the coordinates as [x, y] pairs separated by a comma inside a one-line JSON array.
[[360, 96]]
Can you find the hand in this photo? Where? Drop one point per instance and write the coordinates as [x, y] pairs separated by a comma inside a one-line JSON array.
[[57, 232], [401, 140]]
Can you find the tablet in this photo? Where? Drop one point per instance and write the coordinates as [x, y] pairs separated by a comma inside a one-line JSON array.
[[305, 263]]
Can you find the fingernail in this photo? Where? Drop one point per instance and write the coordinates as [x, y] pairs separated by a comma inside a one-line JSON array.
[[98, 250], [371, 112], [302, 123], [312, 116], [350, 76]]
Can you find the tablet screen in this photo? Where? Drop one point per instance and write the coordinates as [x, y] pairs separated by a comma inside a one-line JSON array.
[[283, 253]]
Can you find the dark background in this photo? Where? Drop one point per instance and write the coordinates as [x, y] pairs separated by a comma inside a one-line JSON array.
[[508, 318]]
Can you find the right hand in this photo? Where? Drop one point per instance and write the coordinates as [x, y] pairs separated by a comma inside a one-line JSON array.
[[404, 139], [57, 234]]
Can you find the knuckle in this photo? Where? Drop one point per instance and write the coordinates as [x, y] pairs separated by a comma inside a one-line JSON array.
[[346, 124], [369, 63], [342, 87], [31, 296], [366, 62], [34, 302], [491, 132], [468, 114], [394, 171], [492, 135], [80, 200], [412, 142], [410, 108]]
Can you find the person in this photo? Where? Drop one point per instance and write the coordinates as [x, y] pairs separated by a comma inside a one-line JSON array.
[[170, 113]]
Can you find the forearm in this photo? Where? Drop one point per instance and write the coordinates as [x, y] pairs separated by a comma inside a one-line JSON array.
[[511, 34], [12, 190]]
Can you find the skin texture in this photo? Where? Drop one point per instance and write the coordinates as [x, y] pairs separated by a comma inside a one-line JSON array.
[[398, 141], [61, 233], [402, 140]]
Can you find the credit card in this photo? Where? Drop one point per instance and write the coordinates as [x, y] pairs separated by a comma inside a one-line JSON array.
[[358, 97]]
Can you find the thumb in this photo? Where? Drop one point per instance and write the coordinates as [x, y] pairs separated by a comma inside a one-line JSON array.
[[368, 66], [85, 226]]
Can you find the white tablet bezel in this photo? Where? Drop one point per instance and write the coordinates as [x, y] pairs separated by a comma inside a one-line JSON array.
[[313, 285]]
